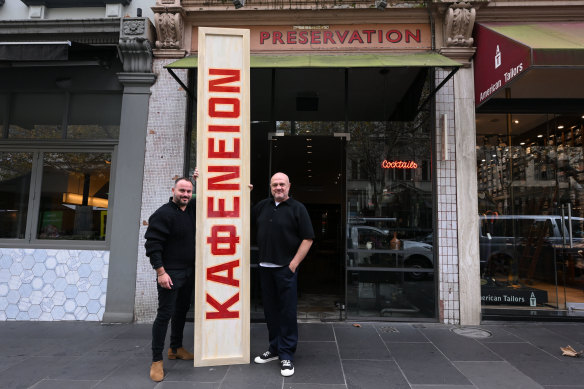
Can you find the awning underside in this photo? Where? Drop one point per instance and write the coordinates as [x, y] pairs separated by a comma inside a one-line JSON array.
[[430, 59]]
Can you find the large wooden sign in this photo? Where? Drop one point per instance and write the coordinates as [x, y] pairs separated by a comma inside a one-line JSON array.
[[222, 263]]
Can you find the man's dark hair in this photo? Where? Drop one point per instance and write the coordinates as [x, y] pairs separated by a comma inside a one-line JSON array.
[[182, 178]]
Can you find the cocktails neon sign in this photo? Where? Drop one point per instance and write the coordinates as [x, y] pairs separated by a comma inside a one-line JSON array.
[[399, 164]]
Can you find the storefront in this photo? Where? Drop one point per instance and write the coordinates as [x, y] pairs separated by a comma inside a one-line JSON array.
[[529, 91], [349, 112]]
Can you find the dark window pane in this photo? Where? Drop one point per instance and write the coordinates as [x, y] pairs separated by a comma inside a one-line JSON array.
[[15, 171], [74, 198], [37, 115], [94, 116], [3, 112]]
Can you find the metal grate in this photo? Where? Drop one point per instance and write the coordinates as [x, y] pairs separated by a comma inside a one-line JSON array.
[[386, 329], [304, 4]]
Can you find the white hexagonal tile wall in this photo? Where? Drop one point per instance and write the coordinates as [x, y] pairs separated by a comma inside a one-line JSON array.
[[70, 306], [59, 298], [84, 270], [14, 282], [36, 297], [16, 268], [96, 264], [22, 316], [51, 262], [61, 270], [95, 278], [62, 256], [37, 283], [93, 306], [85, 256], [71, 291], [28, 262], [94, 292], [72, 277], [82, 299], [5, 261], [60, 284], [3, 290], [25, 290], [58, 312], [34, 311], [24, 304], [38, 269], [3, 303], [83, 285], [47, 304], [49, 277], [73, 263], [13, 297], [27, 276], [11, 311], [40, 255], [81, 313]]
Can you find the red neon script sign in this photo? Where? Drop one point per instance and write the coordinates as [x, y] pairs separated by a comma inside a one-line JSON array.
[[399, 164]]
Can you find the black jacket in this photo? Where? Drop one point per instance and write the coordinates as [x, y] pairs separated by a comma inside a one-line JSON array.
[[170, 237]]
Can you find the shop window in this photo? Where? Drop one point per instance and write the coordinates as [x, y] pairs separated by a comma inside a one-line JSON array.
[[94, 116], [15, 173], [74, 196], [37, 115]]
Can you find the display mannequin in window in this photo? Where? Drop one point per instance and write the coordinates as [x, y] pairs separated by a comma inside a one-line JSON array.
[[170, 245], [284, 235]]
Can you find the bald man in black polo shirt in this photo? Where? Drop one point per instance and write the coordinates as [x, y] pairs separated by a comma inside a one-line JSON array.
[[284, 235]]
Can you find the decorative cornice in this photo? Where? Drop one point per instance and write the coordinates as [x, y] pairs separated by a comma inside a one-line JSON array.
[[88, 31], [459, 20], [136, 35], [168, 16]]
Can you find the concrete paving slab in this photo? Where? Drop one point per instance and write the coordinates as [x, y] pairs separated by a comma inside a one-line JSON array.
[[360, 343], [362, 374], [423, 363], [316, 363], [457, 347], [496, 375]]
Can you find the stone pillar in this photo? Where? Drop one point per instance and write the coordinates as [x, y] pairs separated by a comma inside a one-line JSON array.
[[459, 17], [137, 80]]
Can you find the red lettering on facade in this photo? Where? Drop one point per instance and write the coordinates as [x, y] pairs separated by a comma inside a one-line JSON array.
[[214, 182], [226, 237], [380, 36], [355, 37], [390, 33], [218, 84], [328, 37], [417, 37], [291, 37], [232, 112], [368, 33], [221, 212], [264, 35], [277, 37], [223, 311], [314, 37], [343, 36], [303, 37], [222, 153], [228, 267]]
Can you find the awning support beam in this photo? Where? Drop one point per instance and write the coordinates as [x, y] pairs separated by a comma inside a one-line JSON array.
[[186, 88], [431, 95]]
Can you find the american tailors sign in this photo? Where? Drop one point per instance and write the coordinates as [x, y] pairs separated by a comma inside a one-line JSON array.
[[336, 37], [498, 61], [222, 263]]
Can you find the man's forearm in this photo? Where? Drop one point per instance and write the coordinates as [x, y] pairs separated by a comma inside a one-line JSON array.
[[300, 253]]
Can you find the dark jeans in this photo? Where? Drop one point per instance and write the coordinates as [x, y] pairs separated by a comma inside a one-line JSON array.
[[279, 297], [173, 304]]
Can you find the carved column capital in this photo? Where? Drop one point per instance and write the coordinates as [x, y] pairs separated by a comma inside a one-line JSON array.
[[459, 18], [168, 16], [136, 35]]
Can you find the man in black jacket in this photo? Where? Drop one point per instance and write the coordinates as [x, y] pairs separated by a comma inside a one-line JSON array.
[[170, 245], [284, 235]]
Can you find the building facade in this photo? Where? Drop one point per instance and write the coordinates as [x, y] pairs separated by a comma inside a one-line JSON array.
[[369, 107]]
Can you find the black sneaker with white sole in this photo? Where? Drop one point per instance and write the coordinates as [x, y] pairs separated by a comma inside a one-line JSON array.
[[265, 357], [286, 367]]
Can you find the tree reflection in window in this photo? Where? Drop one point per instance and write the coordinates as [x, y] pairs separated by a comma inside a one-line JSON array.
[[74, 196]]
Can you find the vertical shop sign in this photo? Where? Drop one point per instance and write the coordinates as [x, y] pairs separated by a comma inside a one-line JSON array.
[[222, 260]]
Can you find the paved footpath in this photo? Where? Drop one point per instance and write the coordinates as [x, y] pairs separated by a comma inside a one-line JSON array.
[[79, 355]]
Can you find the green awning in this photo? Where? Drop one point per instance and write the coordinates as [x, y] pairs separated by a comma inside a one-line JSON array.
[[429, 59]]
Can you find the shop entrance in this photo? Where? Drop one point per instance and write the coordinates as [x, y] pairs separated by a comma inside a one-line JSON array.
[[315, 165]]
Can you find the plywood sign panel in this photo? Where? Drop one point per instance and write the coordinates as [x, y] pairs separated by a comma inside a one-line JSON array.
[[222, 263]]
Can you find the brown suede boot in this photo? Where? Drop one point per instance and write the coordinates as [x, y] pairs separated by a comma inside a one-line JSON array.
[[181, 353], [156, 371]]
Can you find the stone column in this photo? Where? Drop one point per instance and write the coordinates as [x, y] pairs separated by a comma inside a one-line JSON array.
[[137, 79], [459, 17]]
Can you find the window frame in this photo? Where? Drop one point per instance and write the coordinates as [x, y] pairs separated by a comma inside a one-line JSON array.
[[38, 149]]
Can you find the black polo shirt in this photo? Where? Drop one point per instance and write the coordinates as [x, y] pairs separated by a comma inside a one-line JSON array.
[[280, 229]]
